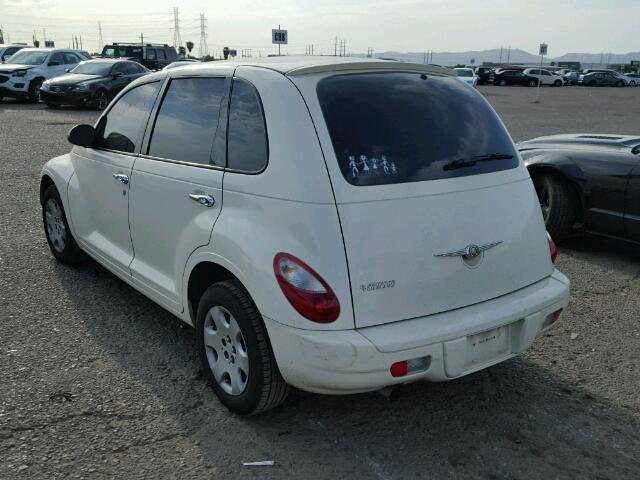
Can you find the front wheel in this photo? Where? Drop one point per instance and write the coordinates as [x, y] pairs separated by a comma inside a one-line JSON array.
[[620, 84], [101, 100], [34, 91], [558, 203], [533, 83], [557, 83], [502, 83], [56, 228], [235, 352]]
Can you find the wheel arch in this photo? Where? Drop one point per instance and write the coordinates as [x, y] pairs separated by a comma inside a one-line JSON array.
[[45, 182]]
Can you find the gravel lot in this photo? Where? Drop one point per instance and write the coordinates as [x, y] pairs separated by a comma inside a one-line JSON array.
[[99, 382]]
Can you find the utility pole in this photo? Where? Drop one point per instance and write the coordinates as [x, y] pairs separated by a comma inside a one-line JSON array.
[[204, 48], [142, 39], [100, 42], [1, 34], [500, 54], [177, 40], [509, 54], [335, 48], [81, 47]]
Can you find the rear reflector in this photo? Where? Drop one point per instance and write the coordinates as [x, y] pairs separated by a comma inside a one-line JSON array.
[[552, 318], [405, 367]]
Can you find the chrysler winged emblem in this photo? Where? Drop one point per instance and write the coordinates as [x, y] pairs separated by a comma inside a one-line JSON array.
[[470, 251]]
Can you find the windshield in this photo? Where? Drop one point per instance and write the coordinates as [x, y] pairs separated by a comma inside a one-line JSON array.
[[463, 72], [406, 127], [90, 68], [116, 51], [29, 58]]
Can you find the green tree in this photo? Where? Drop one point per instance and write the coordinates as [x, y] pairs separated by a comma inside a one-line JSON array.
[[225, 52], [190, 46]]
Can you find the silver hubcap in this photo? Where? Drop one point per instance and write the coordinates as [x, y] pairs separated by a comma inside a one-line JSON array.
[[56, 230], [101, 101], [226, 350]]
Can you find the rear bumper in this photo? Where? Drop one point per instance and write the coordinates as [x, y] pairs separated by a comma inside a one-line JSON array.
[[352, 361]]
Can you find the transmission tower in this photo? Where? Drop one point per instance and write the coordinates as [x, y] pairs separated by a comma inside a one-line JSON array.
[[100, 42], [204, 48], [177, 41]]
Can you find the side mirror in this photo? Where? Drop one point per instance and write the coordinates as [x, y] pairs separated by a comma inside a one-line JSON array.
[[67, 70], [82, 135], [117, 75], [54, 64]]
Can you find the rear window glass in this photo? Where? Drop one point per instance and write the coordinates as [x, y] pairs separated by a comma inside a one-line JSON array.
[[404, 127]]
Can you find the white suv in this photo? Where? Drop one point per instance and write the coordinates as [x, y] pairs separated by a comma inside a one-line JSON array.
[[25, 71], [545, 77], [339, 225]]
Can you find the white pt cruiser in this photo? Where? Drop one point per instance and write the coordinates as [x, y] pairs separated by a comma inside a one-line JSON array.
[[338, 225]]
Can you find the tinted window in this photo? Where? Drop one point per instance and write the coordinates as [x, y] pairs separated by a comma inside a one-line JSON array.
[[161, 55], [132, 68], [247, 148], [57, 58], [151, 54], [123, 125], [404, 127], [119, 68], [70, 58], [188, 119]]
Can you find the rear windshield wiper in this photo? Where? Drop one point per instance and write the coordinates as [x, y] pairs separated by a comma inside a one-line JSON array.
[[470, 162]]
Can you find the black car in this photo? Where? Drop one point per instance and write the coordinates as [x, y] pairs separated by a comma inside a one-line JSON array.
[[600, 79], [91, 83], [151, 55], [592, 180], [514, 77], [485, 75]]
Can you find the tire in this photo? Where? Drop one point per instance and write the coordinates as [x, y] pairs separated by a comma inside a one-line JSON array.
[[100, 99], [56, 228], [619, 84], [557, 83], [226, 308], [502, 83], [53, 106], [533, 83], [34, 90], [558, 203]]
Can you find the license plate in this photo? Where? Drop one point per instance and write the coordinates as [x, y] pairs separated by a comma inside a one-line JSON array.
[[486, 346]]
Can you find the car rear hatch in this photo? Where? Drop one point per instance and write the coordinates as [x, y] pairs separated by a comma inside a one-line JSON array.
[[431, 221]]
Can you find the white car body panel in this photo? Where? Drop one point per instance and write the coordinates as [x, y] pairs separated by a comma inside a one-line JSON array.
[[549, 79], [472, 80], [153, 236]]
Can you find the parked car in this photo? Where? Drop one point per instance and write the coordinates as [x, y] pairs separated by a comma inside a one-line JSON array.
[[514, 77], [30, 67], [631, 79], [545, 77], [485, 75], [151, 55], [181, 63], [571, 78], [600, 79], [450, 269], [91, 83], [467, 75], [587, 179], [7, 50]]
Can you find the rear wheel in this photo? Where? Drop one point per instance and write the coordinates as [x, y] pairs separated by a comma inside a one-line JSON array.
[[235, 352], [532, 83], [34, 90], [502, 83], [56, 228], [558, 203]]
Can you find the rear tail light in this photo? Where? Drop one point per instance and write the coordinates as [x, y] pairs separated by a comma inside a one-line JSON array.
[[306, 291], [553, 250], [551, 318], [405, 367]]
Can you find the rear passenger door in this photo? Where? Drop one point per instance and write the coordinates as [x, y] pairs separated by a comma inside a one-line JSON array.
[[176, 187]]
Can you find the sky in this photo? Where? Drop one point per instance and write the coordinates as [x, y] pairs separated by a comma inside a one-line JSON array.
[[568, 26]]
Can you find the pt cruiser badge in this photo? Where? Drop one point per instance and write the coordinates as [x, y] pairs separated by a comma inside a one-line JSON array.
[[470, 251]]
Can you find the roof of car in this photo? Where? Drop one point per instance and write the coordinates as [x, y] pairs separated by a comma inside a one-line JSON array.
[[591, 140], [33, 49], [109, 60], [303, 65]]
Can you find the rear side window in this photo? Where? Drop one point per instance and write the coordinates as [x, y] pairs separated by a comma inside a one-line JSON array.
[[406, 127], [151, 54], [188, 120], [247, 147], [121, 129]]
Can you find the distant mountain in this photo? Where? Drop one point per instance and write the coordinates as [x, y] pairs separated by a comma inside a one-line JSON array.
[[511, 56]]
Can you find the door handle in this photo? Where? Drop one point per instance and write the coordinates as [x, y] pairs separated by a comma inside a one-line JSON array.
[[121, 177], [206, 200]]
